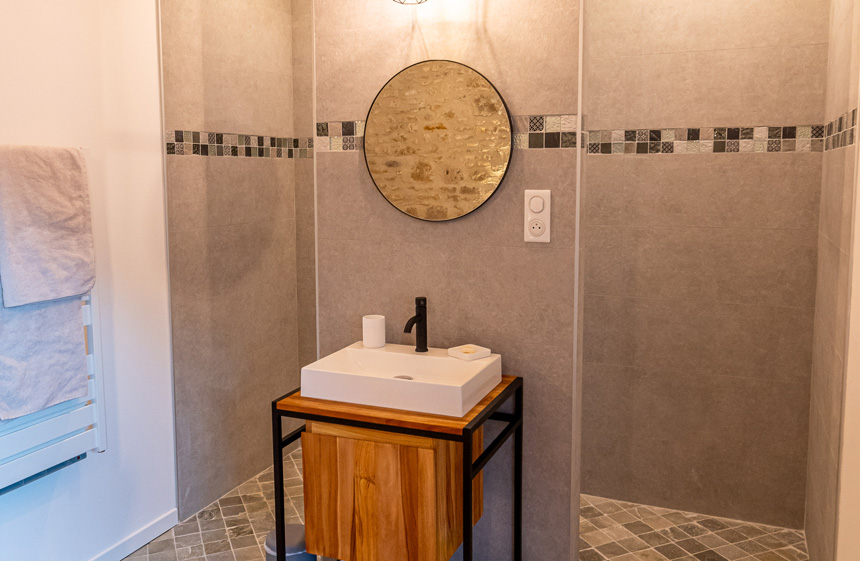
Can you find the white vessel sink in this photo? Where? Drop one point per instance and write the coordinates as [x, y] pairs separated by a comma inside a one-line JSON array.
[[396, 376]]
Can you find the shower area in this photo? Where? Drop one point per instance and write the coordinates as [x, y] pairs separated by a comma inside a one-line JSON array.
[[715, 275], [682, 339]]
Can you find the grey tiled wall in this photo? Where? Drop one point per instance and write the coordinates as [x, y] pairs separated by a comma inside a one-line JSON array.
[[484, 284], [831, 300], [232, 238], [700, 269]]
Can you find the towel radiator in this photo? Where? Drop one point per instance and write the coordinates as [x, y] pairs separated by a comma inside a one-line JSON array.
[[38, 444]]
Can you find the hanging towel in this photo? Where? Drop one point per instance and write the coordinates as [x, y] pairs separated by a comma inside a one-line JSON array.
[[46, 240], [42, 356]]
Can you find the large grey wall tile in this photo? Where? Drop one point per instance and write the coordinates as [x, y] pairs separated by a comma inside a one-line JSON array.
[[827, 388], [822, 495], [705, 190], [230, 361], [840, 72], [210, 262], [509, 48], [181, 62], [837, 194], [751, 88], [241, 99], [209, 83], [764, 342], [742, 412], [666, 474], [306, 261], [678, 438], [235, 33], [207, 192], [753, 266], [232, 240], [360, 212], [831, 297], [628, 27]]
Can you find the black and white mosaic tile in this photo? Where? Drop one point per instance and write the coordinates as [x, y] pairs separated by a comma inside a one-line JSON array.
[[216, 144], [707, 140], [622, 531], [840, 132], [533, 132], [234, 527], [340, 136]]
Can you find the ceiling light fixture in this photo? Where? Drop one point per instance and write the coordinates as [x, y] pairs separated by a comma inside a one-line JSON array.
[[410, 1]]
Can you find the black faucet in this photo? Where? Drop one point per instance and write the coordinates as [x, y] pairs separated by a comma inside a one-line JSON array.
[[419, 318]]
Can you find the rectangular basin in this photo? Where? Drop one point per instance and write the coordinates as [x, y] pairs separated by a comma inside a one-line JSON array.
[[397, 377]]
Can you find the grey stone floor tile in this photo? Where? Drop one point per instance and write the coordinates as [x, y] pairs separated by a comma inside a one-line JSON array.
[[216, 547], [686, 536], [191, 552], [214, 535], [187, 528], [160, 546], [249, 554], [163, 556], [243, 541], [188, 540], [209, 525]]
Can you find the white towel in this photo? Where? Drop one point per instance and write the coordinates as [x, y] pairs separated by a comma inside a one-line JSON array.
[[42, 356], [46, 240]]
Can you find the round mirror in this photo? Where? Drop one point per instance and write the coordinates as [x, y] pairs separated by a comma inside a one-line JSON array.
[[437, 141]]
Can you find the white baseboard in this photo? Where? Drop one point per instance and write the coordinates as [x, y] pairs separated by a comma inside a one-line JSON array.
[[139, 538]]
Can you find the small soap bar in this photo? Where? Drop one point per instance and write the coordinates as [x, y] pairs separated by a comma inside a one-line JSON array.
[[469, 352]]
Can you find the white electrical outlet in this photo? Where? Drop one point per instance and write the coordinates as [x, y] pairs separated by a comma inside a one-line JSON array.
[[537, 215]]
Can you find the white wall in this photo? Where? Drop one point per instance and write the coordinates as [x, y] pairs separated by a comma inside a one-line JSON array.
[[85, 73]]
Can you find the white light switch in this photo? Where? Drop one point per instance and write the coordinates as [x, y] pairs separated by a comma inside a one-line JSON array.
[[536, 204], [537, 215]]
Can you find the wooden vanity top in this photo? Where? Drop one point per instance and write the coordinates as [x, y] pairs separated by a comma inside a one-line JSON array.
[[392, 417]]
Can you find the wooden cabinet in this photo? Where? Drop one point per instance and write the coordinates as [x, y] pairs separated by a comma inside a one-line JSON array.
[[382, 496]]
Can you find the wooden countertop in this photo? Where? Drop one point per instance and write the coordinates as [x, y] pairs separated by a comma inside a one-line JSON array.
[[391, 417]]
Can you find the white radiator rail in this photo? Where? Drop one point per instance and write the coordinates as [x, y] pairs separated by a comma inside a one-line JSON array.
[[34, 444]]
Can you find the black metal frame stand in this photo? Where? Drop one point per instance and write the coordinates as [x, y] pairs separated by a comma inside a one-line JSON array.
[[471, 466]]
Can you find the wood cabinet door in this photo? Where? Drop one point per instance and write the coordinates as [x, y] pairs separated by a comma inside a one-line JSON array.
[[369, 501]]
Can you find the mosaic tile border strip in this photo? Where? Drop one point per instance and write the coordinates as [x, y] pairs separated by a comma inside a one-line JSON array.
[[840, 131], [622, 531], [535, 132], [340, 128], [339, 144], [803, 138], [199, 143], [340, 136]]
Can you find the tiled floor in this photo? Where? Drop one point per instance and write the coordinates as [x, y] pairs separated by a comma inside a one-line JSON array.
[[623, 531], [234, 527]]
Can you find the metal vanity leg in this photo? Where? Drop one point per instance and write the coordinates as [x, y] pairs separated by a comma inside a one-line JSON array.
[[278, 452], [518, 478], [467, 495]]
